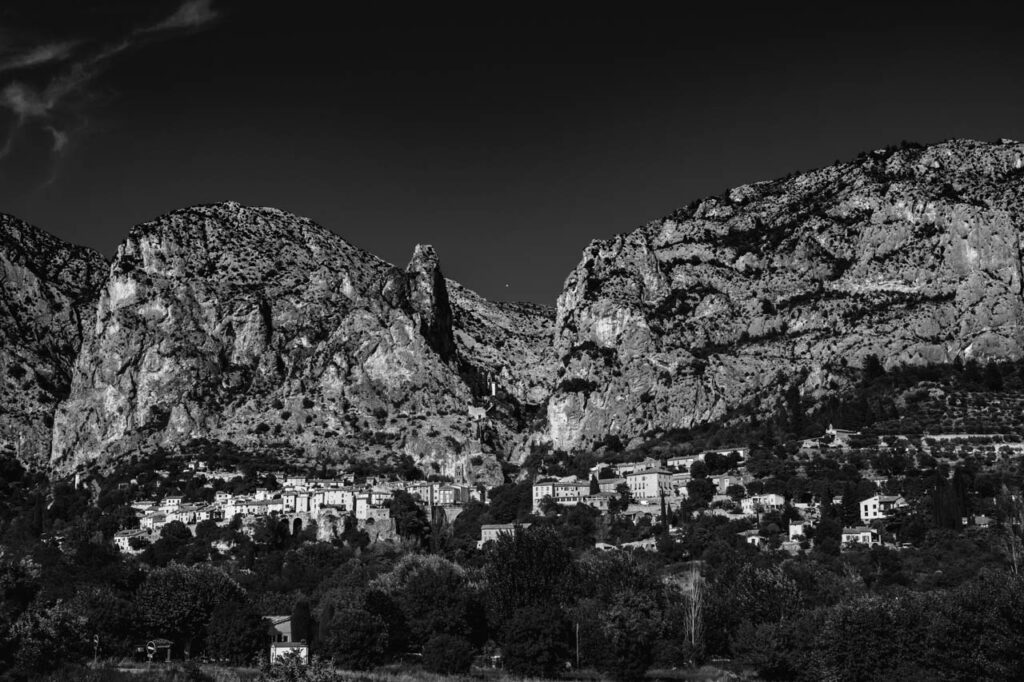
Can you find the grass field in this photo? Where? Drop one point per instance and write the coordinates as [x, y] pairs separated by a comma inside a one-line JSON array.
[[214, 673]]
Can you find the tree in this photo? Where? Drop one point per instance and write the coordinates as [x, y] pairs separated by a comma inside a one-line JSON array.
[[827, 535], [434, 597], [993, 377], [549, 507], [44, 639], [176, 532], [1010, 510], [176, 602], [236, 633], [850, 508], [872, 367], [387, 609], [535, 640], [524, 568], [410, 520], [356, 639], [107, 613], [946, 511], [625, 495], [511, 502], [272, 533], [700, 491], [630, 626], [302, 622], [695, 613], [447, 654]]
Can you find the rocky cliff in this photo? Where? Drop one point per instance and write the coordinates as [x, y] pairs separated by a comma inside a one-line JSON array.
[[909, 253], [226, 322], [48, 292]]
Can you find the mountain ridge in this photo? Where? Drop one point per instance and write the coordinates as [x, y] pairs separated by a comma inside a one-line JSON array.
[[251, 324]]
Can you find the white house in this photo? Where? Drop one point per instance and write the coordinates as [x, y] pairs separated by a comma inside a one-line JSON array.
[[860, 535], [153, 521], [752, 537], [296, 501], [143, 506], [627, 468], [598, 501], [184, 513], [609, 485], [491, 531], [723, 482], [565, 491], [210, 512], [650, 484], [123, 538], [679, 481], [742, 452], [451, 494], [839, 437], [170, 503], [684, 462], [282, 651], [880, 507], [266, 507], [762, 503], [798, 529], [331, 497]]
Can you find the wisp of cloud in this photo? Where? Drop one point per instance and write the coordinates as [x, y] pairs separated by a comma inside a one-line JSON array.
[[53, 100]]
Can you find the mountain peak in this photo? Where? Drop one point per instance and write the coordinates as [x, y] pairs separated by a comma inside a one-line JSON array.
[[428, 295]]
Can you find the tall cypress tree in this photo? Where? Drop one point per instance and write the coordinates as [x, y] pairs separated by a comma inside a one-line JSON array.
[[302, 622]]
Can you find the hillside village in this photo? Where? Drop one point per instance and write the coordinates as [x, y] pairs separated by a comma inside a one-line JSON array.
[[647, 494]]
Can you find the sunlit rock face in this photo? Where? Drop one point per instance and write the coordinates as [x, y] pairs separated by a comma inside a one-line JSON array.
[[48, 292], [912, 254], [227, 322], [251, 325]]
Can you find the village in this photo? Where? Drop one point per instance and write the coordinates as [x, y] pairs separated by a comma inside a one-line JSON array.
[[300, 502], [645, 491]]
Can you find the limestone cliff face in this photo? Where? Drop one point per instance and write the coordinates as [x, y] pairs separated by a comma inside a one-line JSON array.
[[48, 291], [259, 327], [912, 254], [510, 342]]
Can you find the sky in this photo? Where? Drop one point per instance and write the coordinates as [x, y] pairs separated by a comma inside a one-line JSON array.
[[508, 137]]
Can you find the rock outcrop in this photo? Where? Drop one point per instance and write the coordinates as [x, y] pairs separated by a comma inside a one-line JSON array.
[[912, 254], [48, 292], [251, 325]]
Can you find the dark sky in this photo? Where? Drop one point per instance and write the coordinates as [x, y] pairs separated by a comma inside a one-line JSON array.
[[508, 140]]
